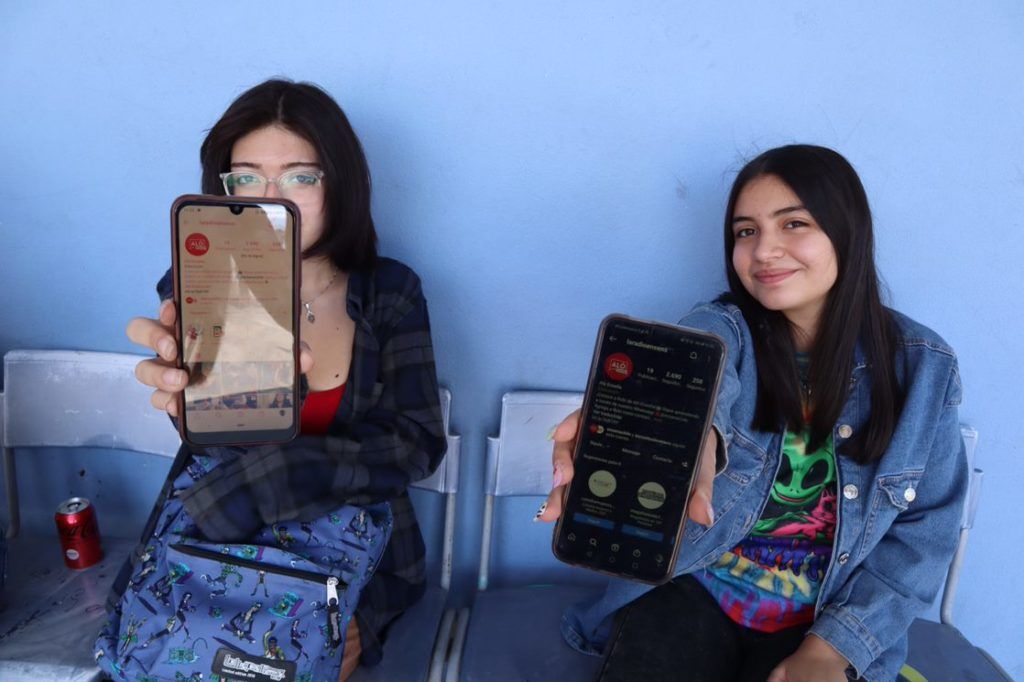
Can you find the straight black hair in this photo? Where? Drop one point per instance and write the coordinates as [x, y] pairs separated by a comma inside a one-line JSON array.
[[349, 239], [830, 190]]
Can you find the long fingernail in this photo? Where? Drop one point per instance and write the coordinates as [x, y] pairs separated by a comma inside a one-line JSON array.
[[172, 377], [711, 515], [556, 480], [543, 508], [165, 348]]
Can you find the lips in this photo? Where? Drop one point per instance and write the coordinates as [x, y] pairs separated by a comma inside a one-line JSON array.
[[772, 276]]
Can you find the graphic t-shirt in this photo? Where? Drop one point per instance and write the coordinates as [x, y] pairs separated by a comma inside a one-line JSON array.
[[771, 579]]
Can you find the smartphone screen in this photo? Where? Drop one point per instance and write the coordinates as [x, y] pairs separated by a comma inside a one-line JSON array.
[[646, 413], [236, 266]]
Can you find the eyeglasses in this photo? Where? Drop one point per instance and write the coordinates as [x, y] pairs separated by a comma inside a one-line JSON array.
[[296, 184]]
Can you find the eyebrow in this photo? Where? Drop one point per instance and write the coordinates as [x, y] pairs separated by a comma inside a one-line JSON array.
[[293, 164], [776, 214]]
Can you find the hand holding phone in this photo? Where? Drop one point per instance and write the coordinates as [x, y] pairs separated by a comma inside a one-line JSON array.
[[640, 447], [698, 510], [161, 373]]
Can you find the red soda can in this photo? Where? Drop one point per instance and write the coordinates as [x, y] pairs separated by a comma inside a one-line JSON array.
[[79, 532]]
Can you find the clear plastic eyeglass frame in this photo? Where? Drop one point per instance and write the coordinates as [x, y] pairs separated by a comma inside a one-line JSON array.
[[286, 183]]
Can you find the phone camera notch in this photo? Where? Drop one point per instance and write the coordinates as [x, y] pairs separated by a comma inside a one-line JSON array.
[[237, 209]]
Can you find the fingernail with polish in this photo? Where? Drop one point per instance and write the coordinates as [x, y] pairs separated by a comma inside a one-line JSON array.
[[556, 480], [172, 377], [165, 348], [711, 515], [543, 507]]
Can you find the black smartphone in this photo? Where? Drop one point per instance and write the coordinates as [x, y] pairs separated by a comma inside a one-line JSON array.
[[647, 410], [236, 266]]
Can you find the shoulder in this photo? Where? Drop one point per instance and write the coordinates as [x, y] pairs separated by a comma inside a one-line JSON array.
[[913, 335], [719, 317], [388, 278], [387, 293], [927, 360]]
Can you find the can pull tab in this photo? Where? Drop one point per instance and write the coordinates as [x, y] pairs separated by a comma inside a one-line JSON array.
[[334, 614]]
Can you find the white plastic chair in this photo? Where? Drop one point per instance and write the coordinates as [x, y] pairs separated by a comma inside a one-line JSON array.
[[937, 650], [512, 631], [51, 615]]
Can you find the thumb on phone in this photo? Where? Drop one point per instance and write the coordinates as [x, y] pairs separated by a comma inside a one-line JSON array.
[[306, 361]]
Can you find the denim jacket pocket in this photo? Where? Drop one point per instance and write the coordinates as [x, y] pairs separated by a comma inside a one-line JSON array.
[[893, 495], [901, 490]]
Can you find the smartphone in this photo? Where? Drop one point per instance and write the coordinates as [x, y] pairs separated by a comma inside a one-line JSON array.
[[236, 266], [647, 410]]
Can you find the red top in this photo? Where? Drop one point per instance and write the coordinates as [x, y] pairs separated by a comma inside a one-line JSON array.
[[319, 409]]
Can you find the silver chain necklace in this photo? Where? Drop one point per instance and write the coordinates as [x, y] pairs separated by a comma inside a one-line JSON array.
[[308, 305]]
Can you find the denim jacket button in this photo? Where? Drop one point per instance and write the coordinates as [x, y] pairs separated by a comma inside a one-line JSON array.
[[843, 558], [845, 431], [850, 492], [909, 494]]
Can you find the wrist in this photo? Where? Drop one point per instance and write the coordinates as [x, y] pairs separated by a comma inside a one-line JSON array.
[[821, 650]]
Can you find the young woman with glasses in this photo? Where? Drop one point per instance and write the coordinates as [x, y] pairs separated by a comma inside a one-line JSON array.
[[367, 355], [831, 490]]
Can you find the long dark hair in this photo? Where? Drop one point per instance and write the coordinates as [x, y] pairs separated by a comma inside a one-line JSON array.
[[349, 238], [830, 190]]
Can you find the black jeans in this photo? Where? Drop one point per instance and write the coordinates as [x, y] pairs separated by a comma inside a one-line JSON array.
[[677, 631]]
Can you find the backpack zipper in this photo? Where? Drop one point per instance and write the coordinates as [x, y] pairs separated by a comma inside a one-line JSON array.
[[330, 582]]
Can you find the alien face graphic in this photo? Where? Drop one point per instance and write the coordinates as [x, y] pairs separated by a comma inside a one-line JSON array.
[[802, 476]]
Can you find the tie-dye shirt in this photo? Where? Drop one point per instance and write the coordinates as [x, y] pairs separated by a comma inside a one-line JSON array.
[[770, 580]]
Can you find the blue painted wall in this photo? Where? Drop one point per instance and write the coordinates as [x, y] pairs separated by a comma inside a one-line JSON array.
[[542, 164]]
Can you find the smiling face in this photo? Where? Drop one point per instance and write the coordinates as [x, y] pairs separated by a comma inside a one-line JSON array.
[[273, 150], [782, 256]]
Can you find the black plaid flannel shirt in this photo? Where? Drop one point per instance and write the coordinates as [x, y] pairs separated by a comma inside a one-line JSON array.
[[386, 434]]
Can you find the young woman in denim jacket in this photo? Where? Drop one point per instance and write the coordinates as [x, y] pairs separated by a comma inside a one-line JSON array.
[[832, 487], [376, 425]]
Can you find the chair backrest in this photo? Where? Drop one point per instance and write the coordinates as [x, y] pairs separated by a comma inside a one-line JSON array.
[[76, 399], [519, 465], [970, 437], [57, 398], [528, 421], [437, 518], [445, 478]]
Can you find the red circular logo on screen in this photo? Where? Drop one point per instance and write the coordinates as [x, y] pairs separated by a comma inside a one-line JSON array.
[[618, 367], [197, 244]]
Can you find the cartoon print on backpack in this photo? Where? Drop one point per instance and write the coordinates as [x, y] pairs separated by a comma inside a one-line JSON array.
[[270, 646], [298, 635], [182, 655], [147, 565], [262, 580], [194, 677], [130, 635], [287, 605], [167, 631], [184, 606], [161, 589], [226, 571], [284, 538], [241, 624]]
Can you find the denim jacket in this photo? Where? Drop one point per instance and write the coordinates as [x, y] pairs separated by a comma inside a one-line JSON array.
[[898, 517]]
